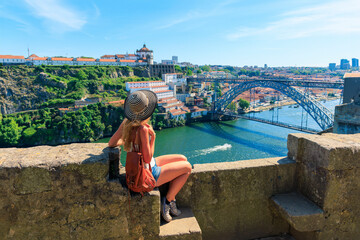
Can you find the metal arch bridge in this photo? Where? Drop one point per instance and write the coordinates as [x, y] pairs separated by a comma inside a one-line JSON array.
[[307, 83], [317, 111]]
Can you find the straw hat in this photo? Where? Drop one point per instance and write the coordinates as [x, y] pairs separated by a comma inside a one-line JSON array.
[[140, 105]]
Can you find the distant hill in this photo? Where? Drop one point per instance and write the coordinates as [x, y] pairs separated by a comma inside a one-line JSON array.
[[27, 88]]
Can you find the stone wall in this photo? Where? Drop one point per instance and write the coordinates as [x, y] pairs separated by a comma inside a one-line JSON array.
[[328, 173], [65, 192], [230, 200]]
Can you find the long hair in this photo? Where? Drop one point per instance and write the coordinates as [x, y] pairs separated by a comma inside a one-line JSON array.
[[130, 127]]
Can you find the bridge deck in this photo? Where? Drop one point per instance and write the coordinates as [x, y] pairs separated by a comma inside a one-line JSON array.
[[276, 123]]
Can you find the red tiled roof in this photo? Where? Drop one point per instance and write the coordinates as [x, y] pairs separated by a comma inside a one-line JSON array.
[[12, 57], [175, 105], [33, 56], [162, 91], [107, 60], [126, 60], [40, 58], [174, 110], [167, 98], [61, 59], [178, 113], [132, 55], [120, 55], [85, 60]]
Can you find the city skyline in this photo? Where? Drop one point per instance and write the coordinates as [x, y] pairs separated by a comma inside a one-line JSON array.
[[306, 33]]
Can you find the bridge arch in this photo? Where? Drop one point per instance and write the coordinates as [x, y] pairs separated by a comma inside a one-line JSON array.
[[317, 111]]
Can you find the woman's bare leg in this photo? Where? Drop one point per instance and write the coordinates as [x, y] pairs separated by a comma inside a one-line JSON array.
[[165, 159], [176, 173]]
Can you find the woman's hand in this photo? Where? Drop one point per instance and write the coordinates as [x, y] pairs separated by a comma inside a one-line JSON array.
[[116, 140]]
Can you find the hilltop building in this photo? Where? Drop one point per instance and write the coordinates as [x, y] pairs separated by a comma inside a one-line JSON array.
[[143, 57]]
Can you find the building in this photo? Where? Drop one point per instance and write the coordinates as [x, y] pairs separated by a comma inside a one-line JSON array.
[[332, 66], [175, 59], [174, 80], [344, 64], [168, 62], [158, 87], [143, 57], [12, 60], [157, 70], [355, 63], [146, 54]]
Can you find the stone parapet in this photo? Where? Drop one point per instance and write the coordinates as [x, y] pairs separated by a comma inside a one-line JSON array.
[[328, 173], [230, 200], [63, 192]]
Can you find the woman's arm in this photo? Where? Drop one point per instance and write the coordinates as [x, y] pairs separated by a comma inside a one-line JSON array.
[[116, 140], [145, 145]]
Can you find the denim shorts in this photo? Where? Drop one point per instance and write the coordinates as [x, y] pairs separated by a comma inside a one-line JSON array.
[[156, 171]]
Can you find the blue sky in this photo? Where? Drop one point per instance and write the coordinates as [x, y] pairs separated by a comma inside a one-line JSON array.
[[228, 32]]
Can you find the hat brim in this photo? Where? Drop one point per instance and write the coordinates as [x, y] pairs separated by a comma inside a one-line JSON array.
[[152, 98]]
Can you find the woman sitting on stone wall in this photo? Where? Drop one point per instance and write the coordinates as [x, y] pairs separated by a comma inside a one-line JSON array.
[[173, 168]]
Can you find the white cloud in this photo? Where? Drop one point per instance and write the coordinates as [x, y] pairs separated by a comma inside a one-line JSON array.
[[333, 18], [61, 17]]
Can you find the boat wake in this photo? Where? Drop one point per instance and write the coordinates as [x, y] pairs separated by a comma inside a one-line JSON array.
[[206, 151]]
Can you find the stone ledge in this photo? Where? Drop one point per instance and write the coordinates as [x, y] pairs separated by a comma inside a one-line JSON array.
[[183, 227], [331, 151], [54, 156], [253, 163], [300, 212]]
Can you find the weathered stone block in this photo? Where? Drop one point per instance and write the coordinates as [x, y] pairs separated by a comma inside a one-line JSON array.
[[32, 180], [301, 213], [328, 151], [94, 171]]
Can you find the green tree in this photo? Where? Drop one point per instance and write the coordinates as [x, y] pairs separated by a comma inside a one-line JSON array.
[[178, 68], [198, 71], [243, 104], [232, 106], [10, 132], [189, 73], [205, 68], [81, 75]]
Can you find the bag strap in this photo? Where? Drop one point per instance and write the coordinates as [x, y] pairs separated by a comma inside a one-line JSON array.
[[137, 141]]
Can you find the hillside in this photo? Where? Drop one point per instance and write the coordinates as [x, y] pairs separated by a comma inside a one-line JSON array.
[[26, 88]]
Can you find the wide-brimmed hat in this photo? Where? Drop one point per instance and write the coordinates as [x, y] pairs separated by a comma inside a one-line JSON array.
[[140, 105]]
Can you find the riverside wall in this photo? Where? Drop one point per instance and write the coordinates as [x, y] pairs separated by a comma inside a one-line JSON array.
[[65, 192]]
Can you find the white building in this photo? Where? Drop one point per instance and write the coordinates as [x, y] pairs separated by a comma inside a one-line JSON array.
[[146, 84], [158, 87], [10, 59]]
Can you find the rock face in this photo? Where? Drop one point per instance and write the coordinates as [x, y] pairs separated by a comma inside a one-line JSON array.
[[44, 79], [17, 91]]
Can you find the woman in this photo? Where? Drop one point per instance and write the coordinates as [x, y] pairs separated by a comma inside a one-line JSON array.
[[173, 168]]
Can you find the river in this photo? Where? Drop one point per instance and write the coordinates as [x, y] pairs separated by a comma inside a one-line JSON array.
[[232, 140]]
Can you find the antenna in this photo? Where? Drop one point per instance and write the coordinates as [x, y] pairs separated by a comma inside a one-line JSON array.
[[28, 52]]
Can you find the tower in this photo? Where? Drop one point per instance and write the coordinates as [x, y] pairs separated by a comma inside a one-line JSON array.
[[147, 54]]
